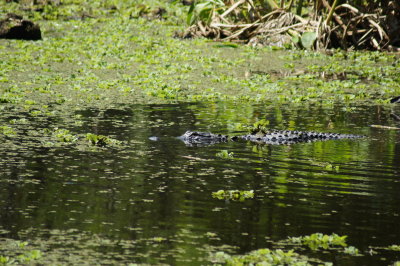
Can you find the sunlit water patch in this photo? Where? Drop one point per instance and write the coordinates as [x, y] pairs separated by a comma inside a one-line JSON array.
[[149, 198]]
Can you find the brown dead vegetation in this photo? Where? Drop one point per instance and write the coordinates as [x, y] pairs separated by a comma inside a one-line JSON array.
[[328, 25]]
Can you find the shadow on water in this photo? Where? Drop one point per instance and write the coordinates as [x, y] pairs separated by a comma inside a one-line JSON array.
[[150, 201]]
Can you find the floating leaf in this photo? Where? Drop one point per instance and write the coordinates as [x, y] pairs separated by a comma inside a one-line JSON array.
[[224, 154], [308, 39], [394, 247], [235, 195], [318, 240], [263, 256], [351, 250]]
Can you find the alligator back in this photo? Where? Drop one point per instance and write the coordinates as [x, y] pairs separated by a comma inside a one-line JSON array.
[[289, 136]]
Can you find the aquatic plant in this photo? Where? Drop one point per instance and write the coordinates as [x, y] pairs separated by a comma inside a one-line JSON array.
[[351, 250], [292, 256], [225, 154], [9, 98], [64, 135], [263, 256], [330, 166], [235, 195], [318, 240], [261, 126], [59, 135], [7, 131], [16, 252], [394, 247], [326, 165], [100, 140]]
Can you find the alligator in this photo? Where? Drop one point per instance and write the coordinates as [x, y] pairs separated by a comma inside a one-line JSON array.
[[196, 138]]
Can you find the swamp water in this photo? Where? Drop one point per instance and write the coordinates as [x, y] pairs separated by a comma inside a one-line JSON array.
[[147, 201]]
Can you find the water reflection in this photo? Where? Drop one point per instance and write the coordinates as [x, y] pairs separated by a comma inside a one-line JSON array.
[[157, 194]]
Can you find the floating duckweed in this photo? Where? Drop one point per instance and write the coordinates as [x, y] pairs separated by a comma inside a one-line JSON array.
[[260, 126], [263, 256], [394, 247], [225, 154], [267, 256], [100, 140], [235, 195], [64, 135], [7, 131], [60, 135], [18, 121], [326, 165], [17, 252], [318, 240], [351, 250], [9, 98]]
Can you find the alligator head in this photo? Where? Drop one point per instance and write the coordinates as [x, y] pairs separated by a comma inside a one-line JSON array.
[[196, 138]]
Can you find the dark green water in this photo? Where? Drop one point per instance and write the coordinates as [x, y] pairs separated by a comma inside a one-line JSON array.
[[150, 201]]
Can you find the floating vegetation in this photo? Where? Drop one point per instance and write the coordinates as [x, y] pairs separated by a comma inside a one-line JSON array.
[[9, 98], [318, 240], [7, 131], [101, 141], [235, 195], [326, 165], [56, 136], [77, 248], [351, 251], [261, 126], [394, 247], [291, 256], [263, 256], [224, 154], [17, 252], [64, 135], [329, 166]]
